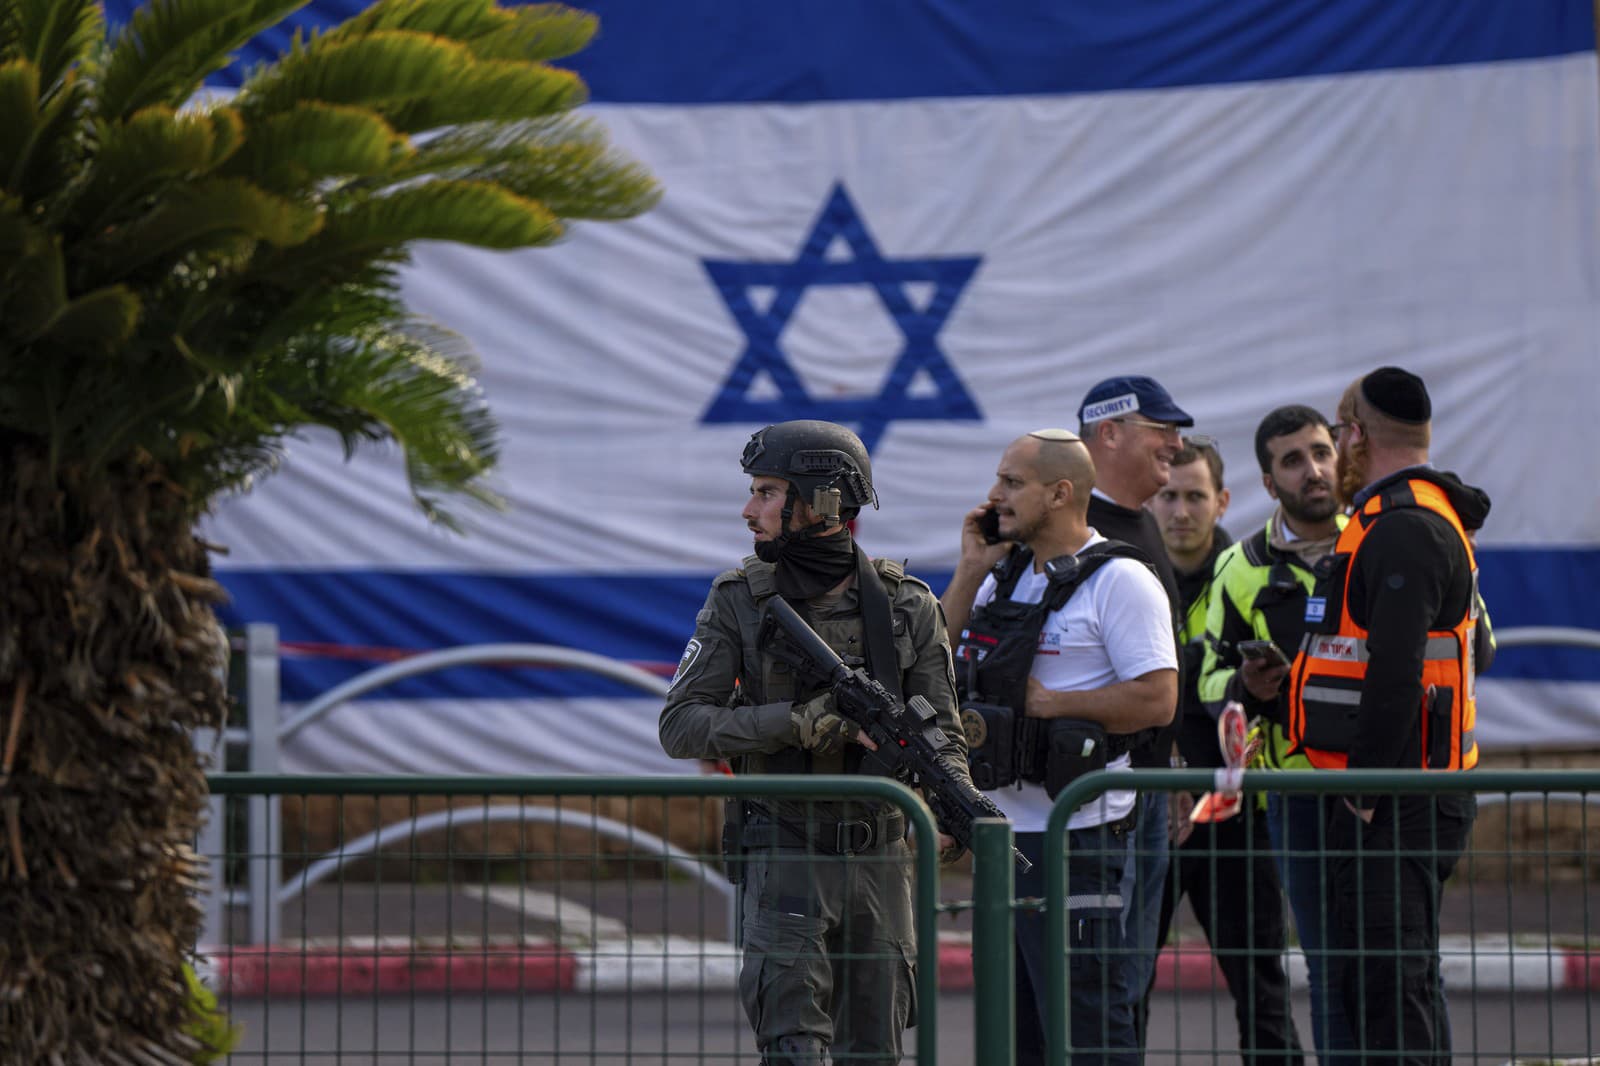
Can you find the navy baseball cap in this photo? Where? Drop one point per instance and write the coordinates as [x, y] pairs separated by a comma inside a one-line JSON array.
[[1116, 397]]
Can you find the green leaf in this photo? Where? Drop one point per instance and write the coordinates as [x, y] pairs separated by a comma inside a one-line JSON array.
[[567, 167], [495, 91], [538, 32], [152, 148], [36, 290], [454, 19], [467, 212], [315, 140], [196, 214], [389, 69], [19, 117], [95, 324], [168, 48], [55, 34]]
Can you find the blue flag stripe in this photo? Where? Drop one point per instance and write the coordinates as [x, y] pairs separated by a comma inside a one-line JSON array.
[[647, 618], [733, 51]]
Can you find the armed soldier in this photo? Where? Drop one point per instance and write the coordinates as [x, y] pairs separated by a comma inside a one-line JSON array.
[[829, 943]]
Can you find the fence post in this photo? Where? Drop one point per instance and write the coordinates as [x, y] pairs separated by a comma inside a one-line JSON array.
[[212, 847], [261, 709], [994, 975]]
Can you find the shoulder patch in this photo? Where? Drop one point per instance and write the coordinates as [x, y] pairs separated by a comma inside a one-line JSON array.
[[691, 653]]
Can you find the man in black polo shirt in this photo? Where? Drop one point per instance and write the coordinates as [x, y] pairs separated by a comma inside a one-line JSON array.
[[1132, 429]]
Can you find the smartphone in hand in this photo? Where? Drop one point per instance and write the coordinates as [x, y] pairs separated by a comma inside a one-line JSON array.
[[1263, 650], [989, 524]]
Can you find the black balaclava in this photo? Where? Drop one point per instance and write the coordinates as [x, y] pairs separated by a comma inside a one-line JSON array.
[[808, 564]]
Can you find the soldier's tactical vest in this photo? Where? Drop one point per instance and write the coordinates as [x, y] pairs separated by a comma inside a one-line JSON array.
[[845, 635], [1326, 678]]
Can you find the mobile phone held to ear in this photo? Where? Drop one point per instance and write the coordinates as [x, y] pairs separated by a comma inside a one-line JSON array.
[[989, 524], [1263, 650]]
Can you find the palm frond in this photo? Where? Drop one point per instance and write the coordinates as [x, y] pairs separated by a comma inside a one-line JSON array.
[[35, 292], [399, 385], [311, 141], [199, 212], [55, 34], [564, 164], [468, 212], [155, 146], [495, 91], [169, 47], [458, 20], [538, 32], [379, 70], [96, 324], [19, 116]]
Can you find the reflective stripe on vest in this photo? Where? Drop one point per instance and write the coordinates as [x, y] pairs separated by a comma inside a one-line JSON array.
[[1326, 679]]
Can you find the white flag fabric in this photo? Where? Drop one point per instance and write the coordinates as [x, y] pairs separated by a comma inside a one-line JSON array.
[[941, 223]]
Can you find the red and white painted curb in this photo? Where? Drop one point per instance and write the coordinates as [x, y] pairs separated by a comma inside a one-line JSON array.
[[682, 964]]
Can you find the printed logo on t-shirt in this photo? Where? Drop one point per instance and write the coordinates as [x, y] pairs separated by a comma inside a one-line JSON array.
[[1049, 643]]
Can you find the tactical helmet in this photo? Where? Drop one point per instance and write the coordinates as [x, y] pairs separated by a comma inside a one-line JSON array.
[[812, 456]]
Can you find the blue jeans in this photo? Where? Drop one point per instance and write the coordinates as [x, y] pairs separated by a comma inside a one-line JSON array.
[[1143, 883], [1101, 1018], [1298, 830]]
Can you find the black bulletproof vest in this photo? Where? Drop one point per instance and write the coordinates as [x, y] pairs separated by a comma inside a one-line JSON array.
[[995, 654]]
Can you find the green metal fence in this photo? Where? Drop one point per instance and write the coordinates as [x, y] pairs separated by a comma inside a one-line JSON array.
[[513, 919], [526, 920], [1521, 976]]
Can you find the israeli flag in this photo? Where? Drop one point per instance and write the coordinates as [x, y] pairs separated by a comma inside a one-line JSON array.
[[941, 223]]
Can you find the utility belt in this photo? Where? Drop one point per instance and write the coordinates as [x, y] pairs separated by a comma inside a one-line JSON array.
[[748, 827], [1004, 747]]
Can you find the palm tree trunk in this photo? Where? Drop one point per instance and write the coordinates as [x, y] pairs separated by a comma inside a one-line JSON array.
[[110, 656]]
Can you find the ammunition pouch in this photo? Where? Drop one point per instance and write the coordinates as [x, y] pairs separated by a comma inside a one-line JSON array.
[[992, 743], [1004, 747]]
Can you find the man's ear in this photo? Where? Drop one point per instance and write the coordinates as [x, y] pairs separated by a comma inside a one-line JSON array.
[[1266, 483], [1061, 493], [1222, 502]]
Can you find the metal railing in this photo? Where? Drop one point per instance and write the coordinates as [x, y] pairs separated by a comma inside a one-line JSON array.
[[1542, 965], [462, 955]]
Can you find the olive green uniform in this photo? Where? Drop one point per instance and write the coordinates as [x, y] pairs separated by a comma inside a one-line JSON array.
[[829, 942]]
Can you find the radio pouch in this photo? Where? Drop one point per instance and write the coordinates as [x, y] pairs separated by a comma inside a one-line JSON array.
[[1072, 748]]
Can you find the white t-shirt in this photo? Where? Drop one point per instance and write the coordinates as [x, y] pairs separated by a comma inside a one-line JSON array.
[[1116, 627]]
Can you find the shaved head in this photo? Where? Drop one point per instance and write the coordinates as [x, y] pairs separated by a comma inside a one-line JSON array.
[[1057, 455]]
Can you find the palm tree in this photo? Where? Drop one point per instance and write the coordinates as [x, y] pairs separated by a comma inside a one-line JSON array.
[[185, 280]]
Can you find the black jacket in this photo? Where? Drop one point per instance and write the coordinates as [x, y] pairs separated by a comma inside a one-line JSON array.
[[1138, 527]]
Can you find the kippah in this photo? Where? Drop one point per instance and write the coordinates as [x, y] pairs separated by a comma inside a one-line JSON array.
[[1399, 394]]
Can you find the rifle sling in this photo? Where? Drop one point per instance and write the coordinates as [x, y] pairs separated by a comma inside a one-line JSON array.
[[877, 625]]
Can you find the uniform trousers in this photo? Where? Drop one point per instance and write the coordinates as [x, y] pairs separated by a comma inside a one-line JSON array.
[[830, 950], [1388, 878]]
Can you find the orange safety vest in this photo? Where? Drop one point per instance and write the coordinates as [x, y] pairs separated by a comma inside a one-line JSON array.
[[1328, 673]]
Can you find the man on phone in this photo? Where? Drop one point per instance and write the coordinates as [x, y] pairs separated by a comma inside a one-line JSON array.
[[1096, 656]]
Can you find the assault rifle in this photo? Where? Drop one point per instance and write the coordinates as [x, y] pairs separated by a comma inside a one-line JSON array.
[[911, 746]]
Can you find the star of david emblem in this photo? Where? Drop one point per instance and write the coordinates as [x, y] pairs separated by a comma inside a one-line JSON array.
[[942, 396]]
